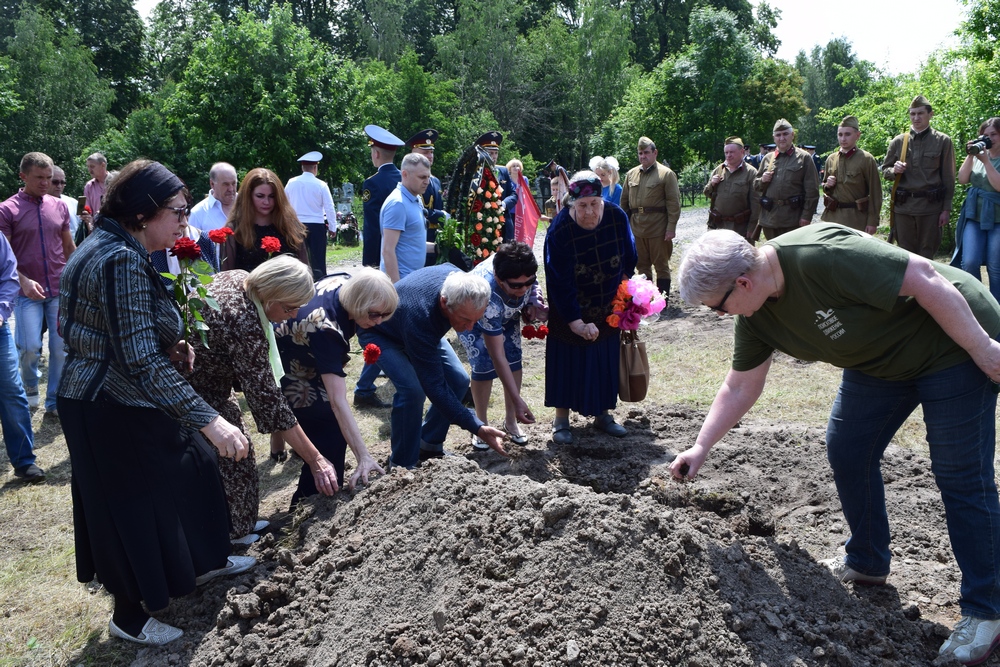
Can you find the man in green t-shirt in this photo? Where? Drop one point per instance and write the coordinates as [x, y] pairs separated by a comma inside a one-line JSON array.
[[907, 332]]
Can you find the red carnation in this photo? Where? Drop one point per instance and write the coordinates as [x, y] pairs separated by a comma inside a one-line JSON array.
[[371, 353], [475, 240], [220, 235], [86, 208], [185, 248], [528, 331], [542, 331], [270, 244], [477, 206]]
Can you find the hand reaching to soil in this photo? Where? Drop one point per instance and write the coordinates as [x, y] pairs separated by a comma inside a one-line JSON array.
[[492, 437], [687, 463]]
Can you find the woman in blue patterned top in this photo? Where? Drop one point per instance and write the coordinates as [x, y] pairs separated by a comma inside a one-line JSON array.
[[589, 249], [493, 346], [314, 348]]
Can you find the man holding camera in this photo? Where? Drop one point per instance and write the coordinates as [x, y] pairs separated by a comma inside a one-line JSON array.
[[787, 183], [921, 202], [852, 191]]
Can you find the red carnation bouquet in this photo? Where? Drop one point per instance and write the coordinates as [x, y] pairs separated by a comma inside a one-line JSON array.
[[191, 287], [219, 237], [371, 353], [529, 331]]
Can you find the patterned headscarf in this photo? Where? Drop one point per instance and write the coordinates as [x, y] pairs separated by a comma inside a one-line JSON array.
[[585, 187]]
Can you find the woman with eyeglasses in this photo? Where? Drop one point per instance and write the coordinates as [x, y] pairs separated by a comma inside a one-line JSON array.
[[261, 210], [493, 346], [149, 511], [589, 249], [242, 353], [314, 345]]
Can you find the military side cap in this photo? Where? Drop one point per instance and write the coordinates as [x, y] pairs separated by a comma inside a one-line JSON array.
[[808, 147], [734, 140], [424, 139], [382, 138], [490, 140], [311, 156], [763, 144], [919, 101], [850, 121], [781, 124]]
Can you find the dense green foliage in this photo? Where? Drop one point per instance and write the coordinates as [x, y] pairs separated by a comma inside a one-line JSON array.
[[257, 82]]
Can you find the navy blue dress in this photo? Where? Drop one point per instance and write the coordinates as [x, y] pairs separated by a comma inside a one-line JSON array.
[[582, 272]]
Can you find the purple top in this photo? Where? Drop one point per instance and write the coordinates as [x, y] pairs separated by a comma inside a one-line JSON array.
[[35, 229], [9, 284]]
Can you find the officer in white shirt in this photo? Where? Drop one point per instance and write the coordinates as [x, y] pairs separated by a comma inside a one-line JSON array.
[[310, 198]]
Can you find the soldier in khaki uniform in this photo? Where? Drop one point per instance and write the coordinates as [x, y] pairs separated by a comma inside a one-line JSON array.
[[730, 189], [922, 204], [853, 187], [652, 200], [787, 183]]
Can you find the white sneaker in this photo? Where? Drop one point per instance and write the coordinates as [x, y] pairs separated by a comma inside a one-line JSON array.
[[154, 633], [973, 640], [260, 525], [234, 565], [249, 538], [32, 395], [844, 573]]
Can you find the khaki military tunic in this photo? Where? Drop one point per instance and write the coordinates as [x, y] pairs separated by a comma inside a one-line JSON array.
[[734, 196], [858, 191], [930, 164], [652, 200], [794, 176]]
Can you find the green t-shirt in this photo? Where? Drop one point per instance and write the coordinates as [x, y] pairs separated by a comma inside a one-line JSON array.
[[841, 305]]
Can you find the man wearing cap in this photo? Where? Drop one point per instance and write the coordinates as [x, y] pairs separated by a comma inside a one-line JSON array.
[[852, 191], [422, 143], [491, 143], [787, 183], [922, 203], [374, 191], [404, 232], [652, 199], [376, 188], [310, 199], [755, 160], [730, 190]]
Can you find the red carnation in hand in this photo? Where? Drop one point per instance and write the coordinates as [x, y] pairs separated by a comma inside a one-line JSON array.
[[185, 248], [270, 245], [528, 331], [371, 353], [86, 208], [220, 235]]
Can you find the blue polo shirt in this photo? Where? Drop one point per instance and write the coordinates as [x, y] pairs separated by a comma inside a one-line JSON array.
[[404, 211]]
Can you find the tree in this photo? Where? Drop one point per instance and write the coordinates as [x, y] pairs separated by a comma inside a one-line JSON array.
[[64, 104], [175, 27], [776, 90]]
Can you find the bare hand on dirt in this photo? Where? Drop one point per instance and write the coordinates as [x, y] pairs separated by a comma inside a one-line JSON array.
[[687, 464], [522, 412], [366, 466], [492, 437], [226, 438], [324, 476], [182, 356]]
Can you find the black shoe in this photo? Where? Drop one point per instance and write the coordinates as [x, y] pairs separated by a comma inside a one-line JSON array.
[[428, 454], [30, 473], [371, 401]]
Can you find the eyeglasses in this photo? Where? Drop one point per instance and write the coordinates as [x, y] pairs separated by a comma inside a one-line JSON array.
[[527, 283], [55, 182], [372, 315], [181, 211], [288, 310], [722, 304]]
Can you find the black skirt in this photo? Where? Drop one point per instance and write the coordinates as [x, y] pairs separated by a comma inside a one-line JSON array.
[[149, 511]]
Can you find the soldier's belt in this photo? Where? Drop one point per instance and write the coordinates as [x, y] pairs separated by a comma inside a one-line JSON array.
[[934, 194], [650, 209], [739, 218]]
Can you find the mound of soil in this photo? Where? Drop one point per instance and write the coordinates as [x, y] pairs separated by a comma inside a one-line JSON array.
[[588, 554]]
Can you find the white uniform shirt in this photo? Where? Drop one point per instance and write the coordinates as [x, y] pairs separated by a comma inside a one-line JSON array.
[[310, 198], [74, 219]]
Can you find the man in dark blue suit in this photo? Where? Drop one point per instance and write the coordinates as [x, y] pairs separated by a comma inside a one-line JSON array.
[[422, 143], [376, 188], [491, 143]]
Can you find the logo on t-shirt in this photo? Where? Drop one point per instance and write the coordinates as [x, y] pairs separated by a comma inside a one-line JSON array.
[[829, 324]]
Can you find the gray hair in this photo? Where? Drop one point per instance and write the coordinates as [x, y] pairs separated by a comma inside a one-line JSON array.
[[411, 160], [282, 278], [713, 263], [220, 168], [461, 289], [368, 289], [97, 157]]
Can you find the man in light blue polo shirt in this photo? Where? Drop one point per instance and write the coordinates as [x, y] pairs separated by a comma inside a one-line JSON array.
[[404, 231]]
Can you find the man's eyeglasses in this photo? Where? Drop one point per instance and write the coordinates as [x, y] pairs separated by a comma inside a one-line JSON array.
[[55, 182], [722, 304], [181, 211], [527, 283], [372, 315]]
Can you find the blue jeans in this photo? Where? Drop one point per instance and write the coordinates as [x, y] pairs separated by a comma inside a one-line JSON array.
[[29, 314], [366, 381], [408, 435], [959, 406], [982, 247], [15, 416]]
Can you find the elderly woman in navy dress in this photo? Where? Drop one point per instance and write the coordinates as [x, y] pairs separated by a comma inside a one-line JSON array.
[[493, 346], [589, 249]]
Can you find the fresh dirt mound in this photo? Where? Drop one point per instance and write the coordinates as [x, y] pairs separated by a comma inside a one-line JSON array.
[[588, 555]]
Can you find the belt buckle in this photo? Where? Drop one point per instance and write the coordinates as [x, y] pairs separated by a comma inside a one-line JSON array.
[[641, 210]]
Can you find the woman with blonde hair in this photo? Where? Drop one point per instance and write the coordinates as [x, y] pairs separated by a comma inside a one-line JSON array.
[[262, 210], [606, 169]]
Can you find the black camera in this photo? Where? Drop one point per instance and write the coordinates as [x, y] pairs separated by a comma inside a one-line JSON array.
[[978, 145]]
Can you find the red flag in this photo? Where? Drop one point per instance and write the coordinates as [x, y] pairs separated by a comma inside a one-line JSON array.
[[526, 220]]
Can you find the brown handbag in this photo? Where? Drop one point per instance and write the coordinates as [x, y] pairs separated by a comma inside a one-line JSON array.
[[633, 368]]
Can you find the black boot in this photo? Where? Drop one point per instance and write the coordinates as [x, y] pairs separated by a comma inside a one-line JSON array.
[[663, 284]]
